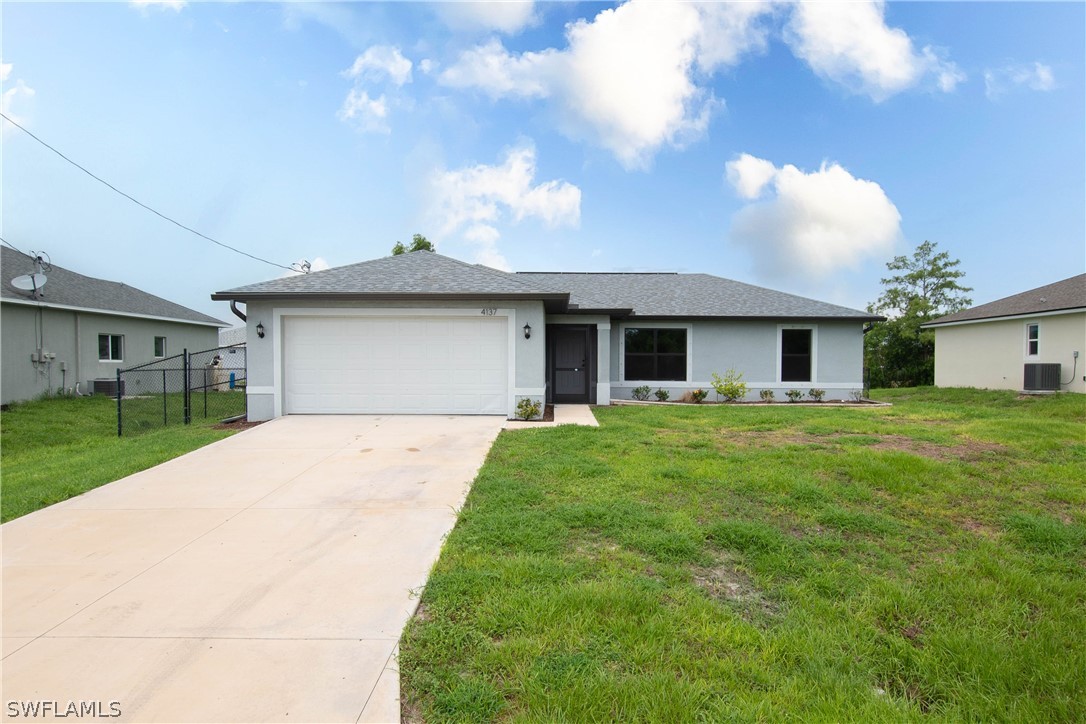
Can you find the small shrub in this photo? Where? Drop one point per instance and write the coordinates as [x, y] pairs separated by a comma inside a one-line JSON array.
[[662, 394], [641, 393], [856, 395], [730, 387], [698, 395], [766, 395], [816, 394], [528, 409], [794, 395]]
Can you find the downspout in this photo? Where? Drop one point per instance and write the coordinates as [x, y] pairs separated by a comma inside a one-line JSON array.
[[78, 353], [237, 312]]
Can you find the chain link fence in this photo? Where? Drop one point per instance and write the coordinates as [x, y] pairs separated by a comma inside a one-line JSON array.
[[176, 390]]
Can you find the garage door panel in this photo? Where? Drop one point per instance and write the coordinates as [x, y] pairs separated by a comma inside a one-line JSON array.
[[403, 364]]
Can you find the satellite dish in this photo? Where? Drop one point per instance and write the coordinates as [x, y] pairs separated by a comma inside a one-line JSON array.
[[29, 282]]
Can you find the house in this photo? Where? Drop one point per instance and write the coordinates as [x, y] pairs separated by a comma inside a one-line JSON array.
[[78, 329], [232, 356], [1029, 341], [423, 333]]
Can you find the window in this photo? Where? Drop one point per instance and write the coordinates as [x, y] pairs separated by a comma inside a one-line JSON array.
[[655, 354], [796, 355], [1033, 339], [111, 347], [160, 346]]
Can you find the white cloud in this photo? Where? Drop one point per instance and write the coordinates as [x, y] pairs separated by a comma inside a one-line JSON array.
[[380, 62], [144, 5], [505, 17], [812, 223], [14, 96], [850, 43], [1034, 76], [473, 201], [749, 175], [368, 114], [626, 79]]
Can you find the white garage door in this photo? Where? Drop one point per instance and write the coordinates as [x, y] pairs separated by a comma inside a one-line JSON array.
[[423, 365]]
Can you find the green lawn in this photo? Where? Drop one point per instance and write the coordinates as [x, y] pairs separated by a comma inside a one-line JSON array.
[[53, 449], [750, 563]]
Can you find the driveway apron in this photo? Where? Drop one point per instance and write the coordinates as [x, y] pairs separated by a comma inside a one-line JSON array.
[[265, 577]]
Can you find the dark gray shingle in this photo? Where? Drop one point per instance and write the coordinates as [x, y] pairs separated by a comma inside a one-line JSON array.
[[419, 272], [1066, 294], [686, 295], [76, 290]]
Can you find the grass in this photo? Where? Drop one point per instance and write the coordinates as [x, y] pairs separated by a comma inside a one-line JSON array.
[[737, 563], [54, 449]]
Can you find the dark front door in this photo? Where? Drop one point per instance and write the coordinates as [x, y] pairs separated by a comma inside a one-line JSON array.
[[570, 371]]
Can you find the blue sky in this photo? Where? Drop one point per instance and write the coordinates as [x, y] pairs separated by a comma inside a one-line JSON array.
[[795, 146]]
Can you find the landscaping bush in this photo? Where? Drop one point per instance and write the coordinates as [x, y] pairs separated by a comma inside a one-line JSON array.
[[766, 395], [730, 387], [529, 409], [794, 395], [698, 395], [816, 394], [662, 394], [641, 393]]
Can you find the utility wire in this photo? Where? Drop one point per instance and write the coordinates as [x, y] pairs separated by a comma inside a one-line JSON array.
[[140, 203], [13, 246]]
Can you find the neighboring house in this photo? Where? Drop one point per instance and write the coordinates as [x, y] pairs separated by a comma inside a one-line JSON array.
[[1013, 343], [81, 329], [233, 339], [423, 333]]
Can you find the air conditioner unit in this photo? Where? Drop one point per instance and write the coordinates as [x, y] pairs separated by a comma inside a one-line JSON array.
[[1042, 377], [107, 386]]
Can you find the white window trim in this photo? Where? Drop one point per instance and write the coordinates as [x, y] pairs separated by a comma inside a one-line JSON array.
[[154, 342], [277, 338], [814, 353], [648, 324], [1027, 353], [111, 335]]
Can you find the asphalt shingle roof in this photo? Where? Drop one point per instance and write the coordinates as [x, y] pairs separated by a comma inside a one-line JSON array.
[[419, 272], [76, 290], [655, 295], [686, 295], [1066, 294]]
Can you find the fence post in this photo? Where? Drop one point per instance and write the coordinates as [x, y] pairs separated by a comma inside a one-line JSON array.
[[119, 402], [185, 387], [205, 392], [165, 421]]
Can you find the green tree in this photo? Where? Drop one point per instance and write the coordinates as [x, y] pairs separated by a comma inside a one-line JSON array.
[[418, 243], [897, 352]]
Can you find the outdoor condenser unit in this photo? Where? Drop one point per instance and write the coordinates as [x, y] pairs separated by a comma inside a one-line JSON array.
[[1042, 377], [107, 386]]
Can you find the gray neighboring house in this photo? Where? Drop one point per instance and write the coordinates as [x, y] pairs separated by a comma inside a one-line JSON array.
[[424, 333], [81, 329]]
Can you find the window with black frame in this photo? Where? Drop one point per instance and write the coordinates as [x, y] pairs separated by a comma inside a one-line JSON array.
[[655, 354], [795, 355]]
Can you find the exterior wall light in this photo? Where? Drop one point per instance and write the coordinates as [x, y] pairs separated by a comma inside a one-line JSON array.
[[527, 331], [260, 330]]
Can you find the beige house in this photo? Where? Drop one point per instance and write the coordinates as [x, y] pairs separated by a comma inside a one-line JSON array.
[[1033, 341]]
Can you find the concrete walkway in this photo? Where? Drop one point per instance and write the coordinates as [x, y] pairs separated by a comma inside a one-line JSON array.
[[563, 415], [265, 577]]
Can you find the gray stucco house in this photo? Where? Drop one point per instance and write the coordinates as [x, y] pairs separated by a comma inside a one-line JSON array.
[[423, 333], [81, 329]]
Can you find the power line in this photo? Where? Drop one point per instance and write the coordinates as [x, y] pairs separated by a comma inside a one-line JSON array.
[[13, 246], [140, 203]]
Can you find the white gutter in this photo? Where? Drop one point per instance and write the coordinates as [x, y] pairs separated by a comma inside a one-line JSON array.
[[937, 325], [110, 312]]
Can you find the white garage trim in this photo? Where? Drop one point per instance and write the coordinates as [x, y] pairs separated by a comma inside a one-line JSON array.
[[279, 313]]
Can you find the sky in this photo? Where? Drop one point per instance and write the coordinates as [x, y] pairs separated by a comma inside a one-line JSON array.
[[798, 146]]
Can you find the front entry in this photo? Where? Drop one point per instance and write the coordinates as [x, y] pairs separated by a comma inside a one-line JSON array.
[[571, 362]]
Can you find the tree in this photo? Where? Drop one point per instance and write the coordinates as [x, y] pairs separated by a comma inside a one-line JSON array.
[[418, 243], [897, 352]]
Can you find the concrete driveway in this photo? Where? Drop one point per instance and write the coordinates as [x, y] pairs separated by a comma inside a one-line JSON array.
[[265, 577]]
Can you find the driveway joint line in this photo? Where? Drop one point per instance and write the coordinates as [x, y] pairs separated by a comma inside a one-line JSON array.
[[384, 668]]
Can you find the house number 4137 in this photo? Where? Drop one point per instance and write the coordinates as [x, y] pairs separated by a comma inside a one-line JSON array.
[[489, 312]]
